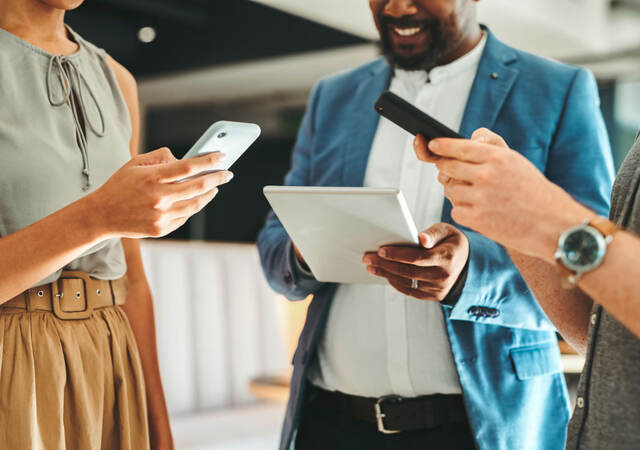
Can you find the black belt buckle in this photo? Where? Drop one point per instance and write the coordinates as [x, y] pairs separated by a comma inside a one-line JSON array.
[[380, 415]]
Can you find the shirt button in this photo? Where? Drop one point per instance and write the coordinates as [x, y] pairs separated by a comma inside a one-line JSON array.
[[594, 318], [580, 402]]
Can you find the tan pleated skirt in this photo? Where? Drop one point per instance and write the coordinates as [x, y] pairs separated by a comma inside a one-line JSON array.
[[72, 385]]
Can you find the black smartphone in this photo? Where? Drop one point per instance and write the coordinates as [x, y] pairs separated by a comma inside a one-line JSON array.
[[411, 119]]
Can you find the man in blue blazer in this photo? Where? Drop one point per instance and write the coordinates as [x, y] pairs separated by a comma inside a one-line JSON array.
[[454, 352]]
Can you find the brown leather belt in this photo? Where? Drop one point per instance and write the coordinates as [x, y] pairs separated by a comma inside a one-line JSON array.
[[394, 414], [73, 296]]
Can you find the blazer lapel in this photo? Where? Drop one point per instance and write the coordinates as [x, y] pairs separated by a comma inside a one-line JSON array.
[[363, 122], [494, 80]]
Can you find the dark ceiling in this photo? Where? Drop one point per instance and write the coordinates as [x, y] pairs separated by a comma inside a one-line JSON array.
[[197, 33]]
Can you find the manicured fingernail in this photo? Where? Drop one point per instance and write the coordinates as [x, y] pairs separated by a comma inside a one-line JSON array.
[[367, 259], [371, 270], [382, 252], [228, 177], [433, 144]]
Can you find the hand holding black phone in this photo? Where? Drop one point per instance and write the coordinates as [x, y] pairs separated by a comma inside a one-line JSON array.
[[411, 119]]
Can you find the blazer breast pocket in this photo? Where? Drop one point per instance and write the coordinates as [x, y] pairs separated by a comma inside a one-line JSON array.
[[536, 360]]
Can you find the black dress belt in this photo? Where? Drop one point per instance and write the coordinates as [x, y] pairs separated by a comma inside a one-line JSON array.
[[394, 414]]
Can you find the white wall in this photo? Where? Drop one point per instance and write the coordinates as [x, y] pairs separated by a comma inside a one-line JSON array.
[[553, 28], [218, 323], [585, 32]]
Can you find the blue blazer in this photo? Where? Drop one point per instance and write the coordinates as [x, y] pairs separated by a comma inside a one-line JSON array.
[[504, 346]]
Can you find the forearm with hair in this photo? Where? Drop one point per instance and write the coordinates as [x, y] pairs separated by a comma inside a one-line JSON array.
[[568, 310]]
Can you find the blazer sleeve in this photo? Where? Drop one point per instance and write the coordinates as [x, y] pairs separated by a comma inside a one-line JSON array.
[[274, 245], [580, 158], [580, 161]]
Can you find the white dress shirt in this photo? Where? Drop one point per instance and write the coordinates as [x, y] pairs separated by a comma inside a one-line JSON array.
[[378, 341]]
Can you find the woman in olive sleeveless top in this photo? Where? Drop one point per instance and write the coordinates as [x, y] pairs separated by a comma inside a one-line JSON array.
[[78, 365]]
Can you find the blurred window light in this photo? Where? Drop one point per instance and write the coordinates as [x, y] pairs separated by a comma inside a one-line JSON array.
[[147, 34], [625, 122]]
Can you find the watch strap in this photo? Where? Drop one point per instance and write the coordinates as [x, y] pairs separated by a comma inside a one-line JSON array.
[[604, 226]]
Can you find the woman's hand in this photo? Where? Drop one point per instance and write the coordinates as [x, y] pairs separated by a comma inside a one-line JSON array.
[[499, 193], [142, 199]]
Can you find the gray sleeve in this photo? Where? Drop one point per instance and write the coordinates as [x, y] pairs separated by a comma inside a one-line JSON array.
[[626, 192], [625, 197], [632, 213]]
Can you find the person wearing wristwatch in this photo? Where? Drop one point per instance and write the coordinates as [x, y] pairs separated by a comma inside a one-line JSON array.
[[583, 269]]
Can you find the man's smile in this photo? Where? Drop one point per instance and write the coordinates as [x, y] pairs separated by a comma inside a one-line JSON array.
[[405, 32], [409, 39]]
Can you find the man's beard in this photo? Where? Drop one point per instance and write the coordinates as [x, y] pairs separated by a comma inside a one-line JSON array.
[[423, 61]]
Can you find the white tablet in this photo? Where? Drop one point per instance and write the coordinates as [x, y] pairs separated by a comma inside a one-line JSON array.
[[333, 227]]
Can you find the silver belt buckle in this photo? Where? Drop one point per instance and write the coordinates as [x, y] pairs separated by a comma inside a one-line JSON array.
[[380, 415]]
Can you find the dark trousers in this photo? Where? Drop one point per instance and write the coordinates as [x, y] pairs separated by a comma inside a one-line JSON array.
[[336, 430]]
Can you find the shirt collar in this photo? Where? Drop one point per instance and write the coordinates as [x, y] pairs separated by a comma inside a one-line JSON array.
[[469, 61]]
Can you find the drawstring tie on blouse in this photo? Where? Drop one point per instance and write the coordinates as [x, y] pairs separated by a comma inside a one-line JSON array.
[[71, 80]]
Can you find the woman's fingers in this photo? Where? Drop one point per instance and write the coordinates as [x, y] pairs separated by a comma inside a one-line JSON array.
[[187, 208], [176, 223], [185, 168], [179, 212], [160, 156], [198, 185]]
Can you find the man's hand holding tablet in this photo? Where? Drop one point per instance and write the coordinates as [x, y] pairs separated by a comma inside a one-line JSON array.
[[333, 227], [428, 272]]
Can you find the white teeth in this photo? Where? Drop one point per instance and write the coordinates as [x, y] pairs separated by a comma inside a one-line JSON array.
[[406, 31]]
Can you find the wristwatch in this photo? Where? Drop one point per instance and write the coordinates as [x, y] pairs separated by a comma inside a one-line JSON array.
[[582, 248]]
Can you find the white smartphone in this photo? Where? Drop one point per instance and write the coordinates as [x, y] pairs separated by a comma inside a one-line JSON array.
[[230, 138]]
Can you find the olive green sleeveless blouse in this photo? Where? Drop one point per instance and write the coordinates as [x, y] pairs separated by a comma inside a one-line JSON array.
[[64, 130]]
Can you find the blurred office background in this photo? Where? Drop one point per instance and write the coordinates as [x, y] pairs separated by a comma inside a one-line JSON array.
[[225, 339]]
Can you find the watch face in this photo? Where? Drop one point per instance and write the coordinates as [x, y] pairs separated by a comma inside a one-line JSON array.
[[582, 248]]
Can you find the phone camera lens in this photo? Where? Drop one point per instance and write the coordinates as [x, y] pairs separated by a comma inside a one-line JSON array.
[[221, 135]]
